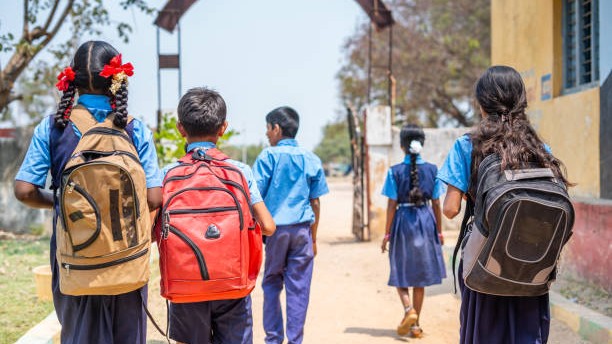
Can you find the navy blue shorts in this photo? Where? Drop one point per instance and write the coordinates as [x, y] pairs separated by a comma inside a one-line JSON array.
[[223, 321]]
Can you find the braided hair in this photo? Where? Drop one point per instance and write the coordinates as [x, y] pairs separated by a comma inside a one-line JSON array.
[[89, 60], [408, 134]]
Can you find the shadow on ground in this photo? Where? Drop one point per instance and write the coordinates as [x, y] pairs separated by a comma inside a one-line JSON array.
[[376, 332]]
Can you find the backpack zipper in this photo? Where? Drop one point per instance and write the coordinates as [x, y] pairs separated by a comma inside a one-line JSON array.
[[165, 206], [195, 249], [107, 131], [132, 156], [223, 180], [68, 266], [70, 188], [523, 187]]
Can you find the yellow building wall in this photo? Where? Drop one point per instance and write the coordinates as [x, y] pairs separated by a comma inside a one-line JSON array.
[[526, 34]]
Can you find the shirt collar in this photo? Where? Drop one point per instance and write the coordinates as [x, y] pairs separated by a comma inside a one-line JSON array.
[[201, 144], [97, 104], [96, 101], [419, 160], [287, 142]]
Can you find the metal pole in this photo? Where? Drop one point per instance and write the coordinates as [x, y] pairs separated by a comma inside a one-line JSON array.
[[180, 74], [390, 69], [159, 114], [370, 63]]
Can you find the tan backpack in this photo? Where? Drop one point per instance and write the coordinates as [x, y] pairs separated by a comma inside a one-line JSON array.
[[104, 228]]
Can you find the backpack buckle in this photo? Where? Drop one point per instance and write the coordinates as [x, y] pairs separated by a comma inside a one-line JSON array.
[[200, 154]]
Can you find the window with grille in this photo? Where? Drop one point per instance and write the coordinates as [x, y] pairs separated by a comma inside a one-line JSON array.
[[580, 43]]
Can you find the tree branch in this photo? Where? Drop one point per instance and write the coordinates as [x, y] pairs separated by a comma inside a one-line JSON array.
[[57, 26], [26, 28], [51, 15]]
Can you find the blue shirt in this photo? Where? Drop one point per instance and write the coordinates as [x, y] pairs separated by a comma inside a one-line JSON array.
[[390, 186], [37, 161], [246, 170], [456, 170], [289, 177]]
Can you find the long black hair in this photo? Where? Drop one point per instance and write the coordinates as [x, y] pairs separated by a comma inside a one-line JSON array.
[[87, 63], [505, 129], [409, 133]]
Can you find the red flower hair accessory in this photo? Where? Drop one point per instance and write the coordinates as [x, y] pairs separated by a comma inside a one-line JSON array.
[[118, 71], [64, 78]]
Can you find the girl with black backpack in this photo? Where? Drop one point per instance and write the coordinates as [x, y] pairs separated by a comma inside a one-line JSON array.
[[504, 130]]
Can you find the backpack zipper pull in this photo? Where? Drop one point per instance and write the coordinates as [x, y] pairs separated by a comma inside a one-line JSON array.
[[70, 187], [166, 227], [67, 266]]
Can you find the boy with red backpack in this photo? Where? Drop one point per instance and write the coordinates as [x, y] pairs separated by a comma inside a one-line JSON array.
[[209, 231]]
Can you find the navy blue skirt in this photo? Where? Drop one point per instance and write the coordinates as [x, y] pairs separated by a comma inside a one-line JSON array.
[[492, 319], [415, 253]]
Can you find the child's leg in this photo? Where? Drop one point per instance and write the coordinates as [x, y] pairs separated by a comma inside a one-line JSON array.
[[277, 246], [418, 294], [404, 294], [298, 276], [232, 321], [190, 322]]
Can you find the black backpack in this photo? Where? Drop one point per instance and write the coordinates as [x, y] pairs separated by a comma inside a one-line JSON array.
[[514, 229]]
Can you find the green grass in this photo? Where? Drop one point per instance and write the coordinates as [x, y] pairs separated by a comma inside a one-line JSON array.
[[20, 310]]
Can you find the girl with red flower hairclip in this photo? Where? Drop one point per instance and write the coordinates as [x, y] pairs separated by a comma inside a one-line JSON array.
[[105, 211]]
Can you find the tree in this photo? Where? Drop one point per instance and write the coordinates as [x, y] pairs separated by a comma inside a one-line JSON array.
[[170, 145], [440, 47], [334, 146], [42, 20]]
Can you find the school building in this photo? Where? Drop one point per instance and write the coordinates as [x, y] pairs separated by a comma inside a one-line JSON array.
[[563, 49]]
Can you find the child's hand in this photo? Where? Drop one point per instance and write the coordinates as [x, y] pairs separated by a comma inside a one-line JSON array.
[[383, 247]]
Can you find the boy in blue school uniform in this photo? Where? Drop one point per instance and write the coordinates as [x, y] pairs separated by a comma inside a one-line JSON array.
[[291, 180], [103, 319], [201, 120]]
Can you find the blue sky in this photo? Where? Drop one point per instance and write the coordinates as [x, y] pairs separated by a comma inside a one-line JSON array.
[[257, 54]]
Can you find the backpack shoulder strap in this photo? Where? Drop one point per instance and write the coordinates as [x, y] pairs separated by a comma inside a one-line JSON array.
[[216, 154], [82, 119]]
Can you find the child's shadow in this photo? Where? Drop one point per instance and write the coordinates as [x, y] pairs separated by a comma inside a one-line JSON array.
[[376, 332]]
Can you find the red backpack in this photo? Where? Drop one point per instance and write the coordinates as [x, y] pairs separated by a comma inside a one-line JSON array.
[[210, 246]]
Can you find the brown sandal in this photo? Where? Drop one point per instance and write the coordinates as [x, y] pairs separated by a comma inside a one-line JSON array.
[[410, 319], [416, 331]]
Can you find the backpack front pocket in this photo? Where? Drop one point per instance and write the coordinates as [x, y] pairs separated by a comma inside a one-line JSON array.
[[203, 244], [81, 217]]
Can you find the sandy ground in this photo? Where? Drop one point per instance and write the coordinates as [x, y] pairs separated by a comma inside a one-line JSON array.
[[350, 301]]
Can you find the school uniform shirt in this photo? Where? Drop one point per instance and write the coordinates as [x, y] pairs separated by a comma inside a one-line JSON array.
[[288, 177], [246, 170], [37, 161], [390, 186]]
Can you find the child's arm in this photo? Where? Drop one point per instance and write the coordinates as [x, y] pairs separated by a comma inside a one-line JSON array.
[[391, 206], [154, 198], [316, 209], [264, 218], [32, 195], [452, 202], [435, 204]]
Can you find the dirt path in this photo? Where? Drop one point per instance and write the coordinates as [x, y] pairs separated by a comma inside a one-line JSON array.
[[350, 301]]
